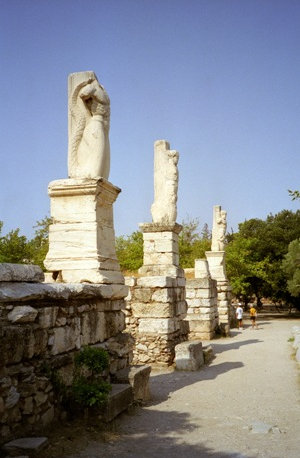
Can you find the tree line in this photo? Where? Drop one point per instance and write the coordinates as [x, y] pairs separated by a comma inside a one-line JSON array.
[[262, 257]]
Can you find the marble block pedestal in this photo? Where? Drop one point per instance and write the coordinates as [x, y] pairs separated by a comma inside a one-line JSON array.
[[157, 307], [81, 236], [216, 263]]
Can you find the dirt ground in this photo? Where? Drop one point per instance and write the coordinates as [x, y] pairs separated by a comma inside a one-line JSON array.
[[246, 403]]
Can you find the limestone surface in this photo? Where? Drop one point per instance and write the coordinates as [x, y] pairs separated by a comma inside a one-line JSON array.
[[89, 118], [218, 229], [20, 272], [164, 207]]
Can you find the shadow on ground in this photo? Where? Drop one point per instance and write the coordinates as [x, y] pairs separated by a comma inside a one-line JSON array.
[[220, 348], [147, 433]]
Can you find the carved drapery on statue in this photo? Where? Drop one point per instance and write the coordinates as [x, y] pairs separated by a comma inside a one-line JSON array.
[[164, 207], [89, 116], [219, 229]]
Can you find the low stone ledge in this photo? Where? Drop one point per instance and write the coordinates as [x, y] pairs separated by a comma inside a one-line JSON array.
[[20, 272], [26, 444], [22, 291], [120, 398], [138, 378], [189, 356]]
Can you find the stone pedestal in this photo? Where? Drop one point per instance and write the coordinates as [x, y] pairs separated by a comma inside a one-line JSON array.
[[161, 253], [216, 263], [81, 237], [156, 307]]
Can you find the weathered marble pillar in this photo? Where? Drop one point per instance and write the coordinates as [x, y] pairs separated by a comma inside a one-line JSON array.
[[201, 298], [156, 307], [82, 238], [217, 268]]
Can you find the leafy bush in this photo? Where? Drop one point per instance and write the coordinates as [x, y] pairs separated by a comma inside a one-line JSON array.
[[90, 393], [95, 359], [90, 390]]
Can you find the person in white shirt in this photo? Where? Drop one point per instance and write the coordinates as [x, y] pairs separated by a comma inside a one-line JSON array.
[[239, 315]]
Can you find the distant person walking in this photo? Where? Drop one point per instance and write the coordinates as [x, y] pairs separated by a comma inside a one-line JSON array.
[[253, 315], [239, 315]]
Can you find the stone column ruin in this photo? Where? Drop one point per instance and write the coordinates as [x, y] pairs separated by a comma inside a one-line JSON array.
[[157, 307], [217, 268]]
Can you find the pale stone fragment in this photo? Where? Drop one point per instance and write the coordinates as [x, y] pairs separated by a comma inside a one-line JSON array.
[[164, 208], [201, 268], [189, 356], [155, 281], [66, 338], [216, 262], [89, 117], [218, 229], [12, 398], [190, 293], [22, 314], [130, 281], [159, 326], [47, 317], [163, 295], [20, 272], [165, 246], [153, 310], [203, 293]]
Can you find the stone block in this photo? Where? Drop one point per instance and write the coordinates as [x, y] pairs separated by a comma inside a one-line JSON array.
[[208, 353], [22, 314], [200, 325], [142, 294], [26, 444], [138, 378], [92, 327], [130, 281], [20, 273], [66, 338], [189, 356], [158, 326], [190, 293], [153, 310], [47, 317], [120, 398], [155, 282], [163, 295]]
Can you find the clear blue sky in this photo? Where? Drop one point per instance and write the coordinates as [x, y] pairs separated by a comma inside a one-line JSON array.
[[218, 79]]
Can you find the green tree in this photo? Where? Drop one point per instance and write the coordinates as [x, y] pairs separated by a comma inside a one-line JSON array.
[[193, 245], [255, 254], [14, 247], [291, 268], [294, 194], [39, 245], [129, 251]]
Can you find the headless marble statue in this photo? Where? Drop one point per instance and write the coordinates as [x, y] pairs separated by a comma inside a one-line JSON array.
[[89, 115], [219, 229], [164, 208]]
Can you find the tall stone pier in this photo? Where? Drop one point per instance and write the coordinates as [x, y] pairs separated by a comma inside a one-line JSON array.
[[201, 298], [156, 305], [217, 268], [81, 236]]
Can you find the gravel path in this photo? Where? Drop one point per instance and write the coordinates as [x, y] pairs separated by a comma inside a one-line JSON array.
[[244, 404]]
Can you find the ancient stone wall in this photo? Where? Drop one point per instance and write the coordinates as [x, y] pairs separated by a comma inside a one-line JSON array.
[[155, 311], [42, 326], [202, 312]]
